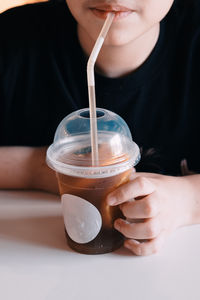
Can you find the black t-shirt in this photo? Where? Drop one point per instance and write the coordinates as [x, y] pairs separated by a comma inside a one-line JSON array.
[[43, 79]]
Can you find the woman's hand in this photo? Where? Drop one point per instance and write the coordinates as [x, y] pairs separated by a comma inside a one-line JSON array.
[[154, 206]]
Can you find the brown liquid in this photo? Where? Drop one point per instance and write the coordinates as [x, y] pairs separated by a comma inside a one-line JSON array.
[[95, 191]]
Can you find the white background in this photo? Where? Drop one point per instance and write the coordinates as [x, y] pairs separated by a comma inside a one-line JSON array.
[[36, 263]]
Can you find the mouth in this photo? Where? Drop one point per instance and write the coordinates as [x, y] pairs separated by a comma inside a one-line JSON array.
[[102, 11]]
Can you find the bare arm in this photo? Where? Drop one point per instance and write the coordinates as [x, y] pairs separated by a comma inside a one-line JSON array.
[[25, 168]]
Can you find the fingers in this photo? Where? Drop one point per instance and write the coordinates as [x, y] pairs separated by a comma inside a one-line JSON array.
[[140, 186], [146, 248], [148, 207], [149, 229]]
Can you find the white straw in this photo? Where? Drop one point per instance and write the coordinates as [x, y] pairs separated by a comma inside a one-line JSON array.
[[91, 87]]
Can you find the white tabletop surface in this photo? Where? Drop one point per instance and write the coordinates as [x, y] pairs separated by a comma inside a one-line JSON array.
[[36, 263]]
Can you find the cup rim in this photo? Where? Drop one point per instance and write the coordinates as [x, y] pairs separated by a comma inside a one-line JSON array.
[[92, 171]]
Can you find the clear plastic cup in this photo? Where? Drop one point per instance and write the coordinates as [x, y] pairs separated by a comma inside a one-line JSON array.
[[84, 187]]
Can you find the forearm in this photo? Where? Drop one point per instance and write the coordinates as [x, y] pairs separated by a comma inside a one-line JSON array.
[[25, 168]]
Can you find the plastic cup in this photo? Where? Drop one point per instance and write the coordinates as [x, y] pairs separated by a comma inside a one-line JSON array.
[[83, 188]]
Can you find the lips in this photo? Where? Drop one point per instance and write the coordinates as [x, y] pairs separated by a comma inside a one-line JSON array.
[[102, 11], [113, 8]]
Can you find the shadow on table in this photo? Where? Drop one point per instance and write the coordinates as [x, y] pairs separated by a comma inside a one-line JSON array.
[[41, 231]]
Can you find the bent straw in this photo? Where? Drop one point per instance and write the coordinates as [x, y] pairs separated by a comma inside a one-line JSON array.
[[91, 87]]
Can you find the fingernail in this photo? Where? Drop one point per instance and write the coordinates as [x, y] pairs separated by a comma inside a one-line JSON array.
[[128, 244], [132, 176], [111, 200], [117, 225], [134, 242]]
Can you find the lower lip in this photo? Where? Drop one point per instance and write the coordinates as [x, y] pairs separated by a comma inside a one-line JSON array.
[[102, 14]]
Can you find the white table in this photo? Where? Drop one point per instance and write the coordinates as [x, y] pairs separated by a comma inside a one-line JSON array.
[[36, 263]]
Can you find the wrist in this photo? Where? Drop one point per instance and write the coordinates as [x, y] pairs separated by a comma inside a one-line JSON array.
[[42, 177], [182, 191], [193, 195]]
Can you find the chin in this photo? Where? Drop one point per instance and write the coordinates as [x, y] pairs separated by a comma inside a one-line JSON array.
[[118, 39]]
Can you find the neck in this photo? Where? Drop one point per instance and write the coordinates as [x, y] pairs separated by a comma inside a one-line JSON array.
[[117, 61]]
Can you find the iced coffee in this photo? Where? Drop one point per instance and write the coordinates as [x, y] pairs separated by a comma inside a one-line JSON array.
[[95, 190], [83, 186]]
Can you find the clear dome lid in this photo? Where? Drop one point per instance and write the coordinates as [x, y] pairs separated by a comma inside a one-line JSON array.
[[70, 152]]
